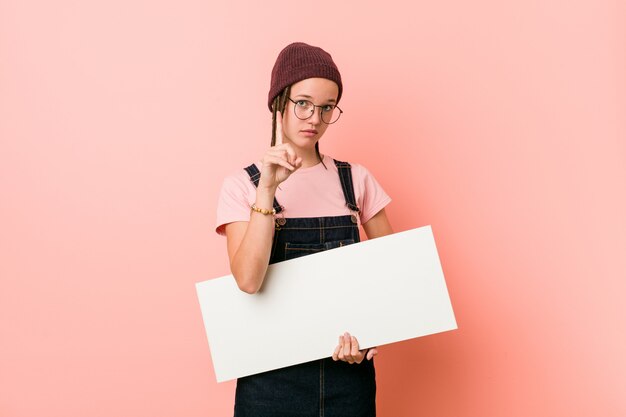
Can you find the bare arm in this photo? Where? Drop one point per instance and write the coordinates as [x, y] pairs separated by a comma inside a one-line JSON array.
[[378, 225], [250, 243]]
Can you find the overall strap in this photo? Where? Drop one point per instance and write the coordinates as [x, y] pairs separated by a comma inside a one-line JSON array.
[[255, 175], [345, 176]]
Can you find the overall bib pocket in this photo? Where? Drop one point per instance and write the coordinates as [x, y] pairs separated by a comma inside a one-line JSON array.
[[296, 250]]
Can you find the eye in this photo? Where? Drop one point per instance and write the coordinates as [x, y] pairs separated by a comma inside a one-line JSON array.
[[302, 103], [328, 108]]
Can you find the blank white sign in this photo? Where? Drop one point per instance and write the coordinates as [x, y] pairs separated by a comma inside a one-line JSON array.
[[382, 291]]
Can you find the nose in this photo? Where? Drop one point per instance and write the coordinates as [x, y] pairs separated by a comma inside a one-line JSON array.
[[316, 117]]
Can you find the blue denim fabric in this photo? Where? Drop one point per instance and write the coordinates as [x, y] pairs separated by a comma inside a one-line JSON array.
[[320, 388]]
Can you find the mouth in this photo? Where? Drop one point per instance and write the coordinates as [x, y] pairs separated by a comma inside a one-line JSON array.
[[309, 131]]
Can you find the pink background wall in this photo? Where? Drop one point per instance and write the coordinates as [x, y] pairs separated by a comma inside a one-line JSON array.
[[501, 124]]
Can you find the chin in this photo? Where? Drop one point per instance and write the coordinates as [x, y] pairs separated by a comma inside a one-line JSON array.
[[305, 143]]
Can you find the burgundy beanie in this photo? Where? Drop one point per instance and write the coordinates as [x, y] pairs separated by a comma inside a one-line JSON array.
[[299, 61]]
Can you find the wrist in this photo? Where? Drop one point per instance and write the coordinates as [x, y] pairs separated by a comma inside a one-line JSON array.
[[265, 197], [264, 211], [266, 189]]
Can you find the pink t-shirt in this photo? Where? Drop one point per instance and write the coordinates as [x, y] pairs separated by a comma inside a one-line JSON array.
[[309, 192]]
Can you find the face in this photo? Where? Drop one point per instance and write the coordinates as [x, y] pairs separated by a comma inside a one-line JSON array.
[[305, 133]]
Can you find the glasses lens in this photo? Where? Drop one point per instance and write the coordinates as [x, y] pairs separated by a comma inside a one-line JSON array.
[[330, 114], [303, 109]]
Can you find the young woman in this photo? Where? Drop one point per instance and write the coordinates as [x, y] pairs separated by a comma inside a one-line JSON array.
[[292, 203]]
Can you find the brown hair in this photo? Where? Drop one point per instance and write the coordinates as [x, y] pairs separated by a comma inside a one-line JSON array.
[[279, 105]]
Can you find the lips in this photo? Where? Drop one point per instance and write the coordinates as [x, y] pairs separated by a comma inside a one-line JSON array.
[[310, 131]]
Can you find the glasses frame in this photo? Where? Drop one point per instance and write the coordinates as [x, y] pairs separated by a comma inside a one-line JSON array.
[[313, 112]]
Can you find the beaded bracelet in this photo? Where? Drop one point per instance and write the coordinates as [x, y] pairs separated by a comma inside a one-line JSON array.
[[262, 211]]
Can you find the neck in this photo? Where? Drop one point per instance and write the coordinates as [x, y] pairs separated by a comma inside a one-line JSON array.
[[310, 160], [308, 155]]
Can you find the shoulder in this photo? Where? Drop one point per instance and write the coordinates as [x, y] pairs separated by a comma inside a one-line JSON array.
[[238, 179], [235, 197], [359, 171], [238, 186], [362, 178]]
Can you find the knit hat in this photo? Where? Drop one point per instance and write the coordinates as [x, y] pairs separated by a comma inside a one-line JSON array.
[[299, 61]]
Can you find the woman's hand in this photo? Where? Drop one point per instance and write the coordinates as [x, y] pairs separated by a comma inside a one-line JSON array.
[[348, 350], [280, 161]]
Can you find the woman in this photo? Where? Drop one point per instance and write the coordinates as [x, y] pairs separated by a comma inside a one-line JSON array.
[[295, 202]]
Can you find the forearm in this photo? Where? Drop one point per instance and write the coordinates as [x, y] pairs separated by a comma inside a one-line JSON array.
[[249, 264]]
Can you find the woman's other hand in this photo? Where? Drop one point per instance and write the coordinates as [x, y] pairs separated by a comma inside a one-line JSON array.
[[280, 161], [348, 350]]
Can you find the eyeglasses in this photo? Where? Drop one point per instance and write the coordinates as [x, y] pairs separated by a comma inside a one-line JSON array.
[[304, 109]]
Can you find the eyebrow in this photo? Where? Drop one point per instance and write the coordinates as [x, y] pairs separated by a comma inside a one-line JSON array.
[[330, 100]]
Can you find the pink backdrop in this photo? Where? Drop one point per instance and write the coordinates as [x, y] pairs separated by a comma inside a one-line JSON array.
[[501, 124]]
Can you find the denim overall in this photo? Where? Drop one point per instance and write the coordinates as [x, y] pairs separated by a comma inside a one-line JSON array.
[[320, 388]]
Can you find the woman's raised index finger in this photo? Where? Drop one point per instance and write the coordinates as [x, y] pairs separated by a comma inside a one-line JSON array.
[[279, 128]]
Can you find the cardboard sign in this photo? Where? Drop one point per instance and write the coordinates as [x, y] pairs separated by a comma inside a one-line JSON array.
[[382, 291]]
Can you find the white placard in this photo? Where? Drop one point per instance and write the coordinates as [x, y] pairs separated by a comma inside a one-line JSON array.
[[382, 291]]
